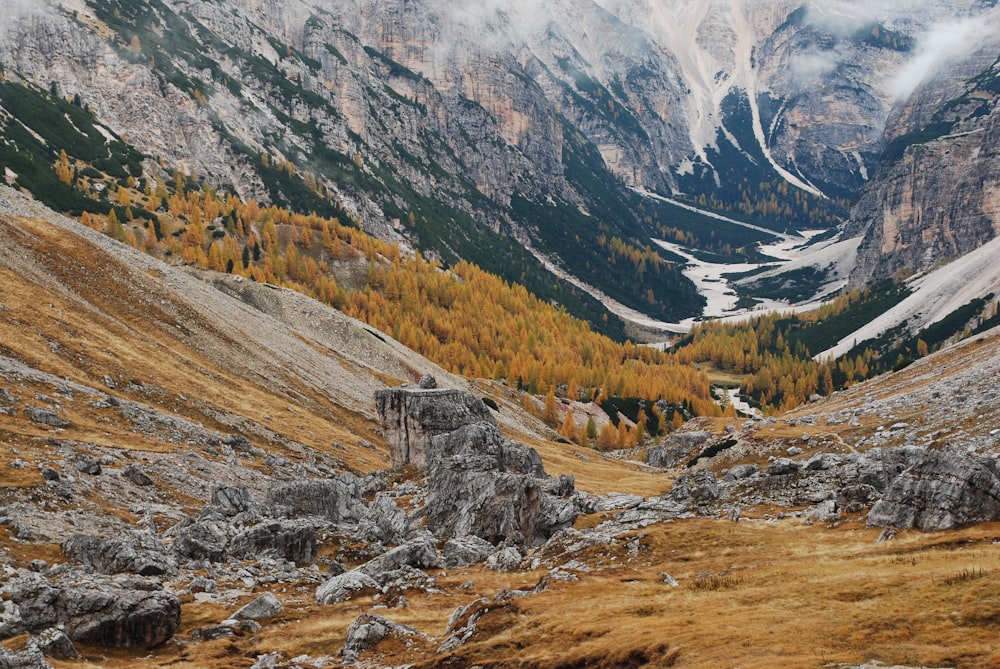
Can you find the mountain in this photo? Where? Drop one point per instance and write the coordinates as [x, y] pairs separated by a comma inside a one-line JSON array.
[[510, 135], [196, 473]]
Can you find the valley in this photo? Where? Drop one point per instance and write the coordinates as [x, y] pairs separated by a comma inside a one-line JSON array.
[[584, 334]]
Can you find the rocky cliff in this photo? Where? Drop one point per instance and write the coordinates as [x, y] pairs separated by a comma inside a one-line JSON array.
[[473, 133], [935, 197]]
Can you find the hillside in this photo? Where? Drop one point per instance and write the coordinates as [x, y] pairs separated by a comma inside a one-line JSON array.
[[139, 397]]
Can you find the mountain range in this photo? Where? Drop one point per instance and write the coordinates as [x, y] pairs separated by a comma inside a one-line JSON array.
[[317, 327], [519, 137]]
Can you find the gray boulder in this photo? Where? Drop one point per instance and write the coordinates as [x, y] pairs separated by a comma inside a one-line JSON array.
[[489, 504], [137, 475], [88, 464], [265, 606], [117, 612], [507, 558], [942, 491], [698, 488], [136, 552], [45, 417], [466, 551], [478, 482], [419, 553], [339, 498], [782, 467], [346, 586], [385, 522], [679, 448], [293, 540], [368, 630], [29, 658], [202, 540], [410, 418], [56, 644], [231, 501]]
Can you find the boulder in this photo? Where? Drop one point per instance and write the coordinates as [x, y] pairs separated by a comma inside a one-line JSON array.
[[265, 606], [491, 505], [410, 418], [136, 552], [29, 658], [56, 644], [137, 475], [202, 540], [339, 498], [368, 630], [293, 540], [346, 586], [419, 553], [88, 464], [679, 448], [466, 551], [507, 558], [478, 482], [943, 490], [45, 417], [95, 610], [232, 501], [385, 522], [782, 467], [698, 488]]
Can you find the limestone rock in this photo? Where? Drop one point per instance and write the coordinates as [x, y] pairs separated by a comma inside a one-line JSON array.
[[29, 658], [202, 540], [505, 559], [45, 417], [466, 551], [368, 630], [418, 553], [139, 552], [782, 467], [346, 586], [137, 475], [293, 540], [943, 491], [478, 482], [339, 498], [117, 612], [265, 606], [411, 418], [385, 522], [698, 488], [56, 644], [679, 448]]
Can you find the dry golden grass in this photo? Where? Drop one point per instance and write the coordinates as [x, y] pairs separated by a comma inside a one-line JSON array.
[[754, 595], [81, 314]]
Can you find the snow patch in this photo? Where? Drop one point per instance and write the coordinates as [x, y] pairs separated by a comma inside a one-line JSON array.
[[935, 295]]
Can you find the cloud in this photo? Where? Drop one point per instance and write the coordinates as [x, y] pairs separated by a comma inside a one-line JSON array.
[[15, 10], [940, 46]]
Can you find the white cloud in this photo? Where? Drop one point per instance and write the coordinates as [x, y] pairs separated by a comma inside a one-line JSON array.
[[940, 46]]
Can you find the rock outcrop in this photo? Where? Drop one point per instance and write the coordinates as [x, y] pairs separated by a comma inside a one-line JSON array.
[[478, 482], [935, 196], [942, 491], [412, 418], [116, 612]]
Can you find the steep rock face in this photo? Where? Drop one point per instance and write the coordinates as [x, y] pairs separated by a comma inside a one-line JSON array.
[[942, 491], [478, 482], [937, 194], [412, 418]]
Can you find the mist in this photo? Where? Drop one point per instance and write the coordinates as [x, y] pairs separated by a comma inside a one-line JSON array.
[[943, 45]]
